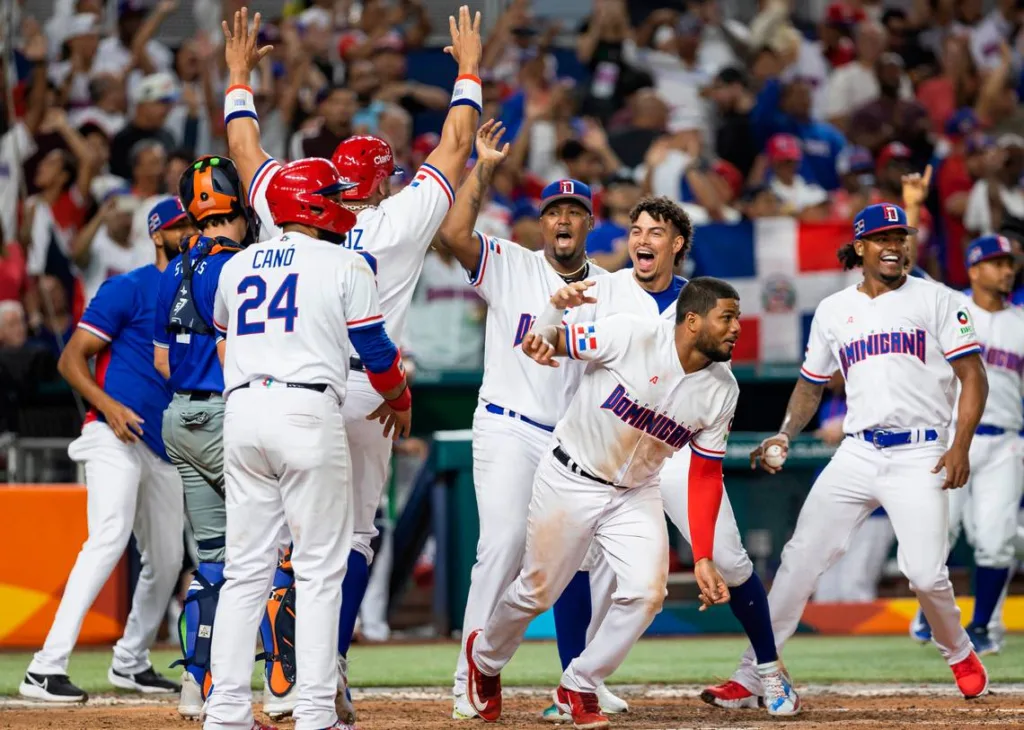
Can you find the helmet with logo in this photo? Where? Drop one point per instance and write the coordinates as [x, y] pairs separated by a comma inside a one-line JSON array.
[[300, 193], [211, 187], [366, 161]]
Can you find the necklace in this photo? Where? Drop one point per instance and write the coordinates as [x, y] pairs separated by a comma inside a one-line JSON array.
[[579, 274]]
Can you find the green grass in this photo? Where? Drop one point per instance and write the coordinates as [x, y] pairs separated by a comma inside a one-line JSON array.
[[810, 659]]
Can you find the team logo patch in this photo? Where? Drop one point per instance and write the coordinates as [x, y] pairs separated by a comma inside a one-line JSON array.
[[966, 328], [891, 214], [961, 317], [778, 294], [567, 187], [585, 336]]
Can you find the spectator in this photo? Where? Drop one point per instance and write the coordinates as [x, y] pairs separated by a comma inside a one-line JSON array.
[[787, 109], [133, 44], [798, 198], [336, 107], [103, 248], [856, 83], [148, 160], [414, 97], [13, 331], [997, 28], [735, 140], [526, 226], [195, 121], [154, 97], [606, 244], [599, 47], [176, 163], [890, 118], [108, 105], [856, 169], [759, 201], [997, 197], [13, 275], [72, 76], [956, 176], [998, 106], [955, 86], [516, 41], [56, 324], [834, 33], [648, 116]]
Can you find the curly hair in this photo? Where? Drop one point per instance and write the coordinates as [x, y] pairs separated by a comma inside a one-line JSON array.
[[849, 257], [665, 210]]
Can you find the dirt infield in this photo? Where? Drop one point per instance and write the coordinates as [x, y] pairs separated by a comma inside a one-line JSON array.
[[668, 709]]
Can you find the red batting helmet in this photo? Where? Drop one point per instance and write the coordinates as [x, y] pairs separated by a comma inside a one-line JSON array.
[[366, 161], [298, 192]]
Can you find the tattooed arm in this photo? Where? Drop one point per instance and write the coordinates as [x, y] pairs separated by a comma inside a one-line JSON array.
[[803, 405], [456, 233]]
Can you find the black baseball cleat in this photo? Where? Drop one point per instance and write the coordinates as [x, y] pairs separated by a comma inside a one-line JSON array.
[[147, 682], [50, 688]]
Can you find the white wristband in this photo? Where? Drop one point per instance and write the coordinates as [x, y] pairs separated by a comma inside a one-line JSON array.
[[550, 317], [239, 103], [468, 91]]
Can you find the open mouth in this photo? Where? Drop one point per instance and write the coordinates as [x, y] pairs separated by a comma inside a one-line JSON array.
[[563, 237], [890, 258], [645, 256]]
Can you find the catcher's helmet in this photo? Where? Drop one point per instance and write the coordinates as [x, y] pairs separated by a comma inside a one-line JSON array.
[[209, 187], [366, 161], [298, 192]]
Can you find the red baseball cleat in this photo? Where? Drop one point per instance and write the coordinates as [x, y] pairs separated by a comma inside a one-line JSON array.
[[971, 677], [484, 692], [731, 696], [584, 708]]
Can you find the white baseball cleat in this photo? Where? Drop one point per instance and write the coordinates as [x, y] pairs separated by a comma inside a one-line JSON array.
[[343, 700], [610, 704], [779, 696], [190, 702], [278, 708], [462, 708]]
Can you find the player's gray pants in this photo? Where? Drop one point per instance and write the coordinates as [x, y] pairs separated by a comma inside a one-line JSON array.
[[858, 479], [193, 434]]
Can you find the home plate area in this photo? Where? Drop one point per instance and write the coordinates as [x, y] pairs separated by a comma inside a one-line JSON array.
[[651, 708]]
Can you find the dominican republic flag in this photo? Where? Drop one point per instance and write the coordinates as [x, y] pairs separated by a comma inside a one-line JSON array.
[[585, 336], [782, 269]]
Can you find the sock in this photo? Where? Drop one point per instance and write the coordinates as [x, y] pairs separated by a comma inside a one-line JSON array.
[[749, 604], [572, 617], [353, 588], [988, 585]]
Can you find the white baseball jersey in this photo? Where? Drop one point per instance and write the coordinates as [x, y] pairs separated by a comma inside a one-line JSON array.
[[397, 232], [636, 406], [517, 284], [1001, 335], [286, 306], [894, 351], [620, 292]]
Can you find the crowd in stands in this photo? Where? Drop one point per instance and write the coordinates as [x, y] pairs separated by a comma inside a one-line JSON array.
[[809, 111]]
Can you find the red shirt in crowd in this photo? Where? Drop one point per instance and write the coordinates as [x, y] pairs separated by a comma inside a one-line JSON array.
[[954, 178], [12, 271]]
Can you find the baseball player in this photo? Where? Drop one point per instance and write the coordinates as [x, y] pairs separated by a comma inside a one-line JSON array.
[[132, 486], [392, 232], [658, 239], [518, 404], [901, 343], [291, 309], [651, 387], [993, 492], [185, 351]]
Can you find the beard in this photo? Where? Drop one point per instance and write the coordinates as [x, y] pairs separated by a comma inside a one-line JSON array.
[[171, 251], [713, 351]]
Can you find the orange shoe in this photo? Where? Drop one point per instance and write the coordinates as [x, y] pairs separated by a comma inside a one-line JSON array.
[[731, 696], [584, 708], [484, 692], [971, 677]]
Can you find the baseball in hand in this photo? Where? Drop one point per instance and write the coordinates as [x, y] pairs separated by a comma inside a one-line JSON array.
[[773, 456]]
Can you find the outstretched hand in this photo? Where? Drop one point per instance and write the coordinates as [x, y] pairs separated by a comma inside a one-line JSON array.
[[915, 187], [240, 51], [467, 46], [488, 143], [573, 295]]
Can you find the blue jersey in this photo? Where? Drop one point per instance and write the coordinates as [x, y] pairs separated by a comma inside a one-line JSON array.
[[192, 357], [603, 238], [121, 314]]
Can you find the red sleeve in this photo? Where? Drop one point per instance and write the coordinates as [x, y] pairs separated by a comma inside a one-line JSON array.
[[704, 493]]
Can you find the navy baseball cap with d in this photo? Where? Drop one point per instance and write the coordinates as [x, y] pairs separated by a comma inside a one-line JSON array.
[[566, 190], [988, 247], [165, 214], [878, 218]]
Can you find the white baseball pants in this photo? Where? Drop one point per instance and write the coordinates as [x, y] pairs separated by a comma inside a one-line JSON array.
[[506, 452], [567, 512], [129, 489], [729, 556], [857, 479], [854, 577], [988, 504], [369, 460], [286, 472]]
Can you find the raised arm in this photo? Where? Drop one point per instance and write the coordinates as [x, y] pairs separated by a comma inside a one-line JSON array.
[[915, 192], [452, 152], [240, 121], [456, 232]]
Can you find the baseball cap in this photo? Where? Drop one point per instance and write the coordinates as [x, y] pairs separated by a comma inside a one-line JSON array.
[[962, 123], [784, 148], [166, 213], [159, 87], [988, 247], [892, 151], [841, 14], [854, 159], [880, 217], [82, 24], [979, 142], [566, 190]]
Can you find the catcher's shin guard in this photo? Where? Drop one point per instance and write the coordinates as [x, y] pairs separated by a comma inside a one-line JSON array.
[[195, 628], [277, 632]]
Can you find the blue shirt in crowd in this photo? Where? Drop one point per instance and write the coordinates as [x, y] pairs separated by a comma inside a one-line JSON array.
[[121, 314]]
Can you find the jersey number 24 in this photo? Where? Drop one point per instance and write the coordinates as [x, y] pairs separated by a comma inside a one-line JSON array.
[[282, 304]]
